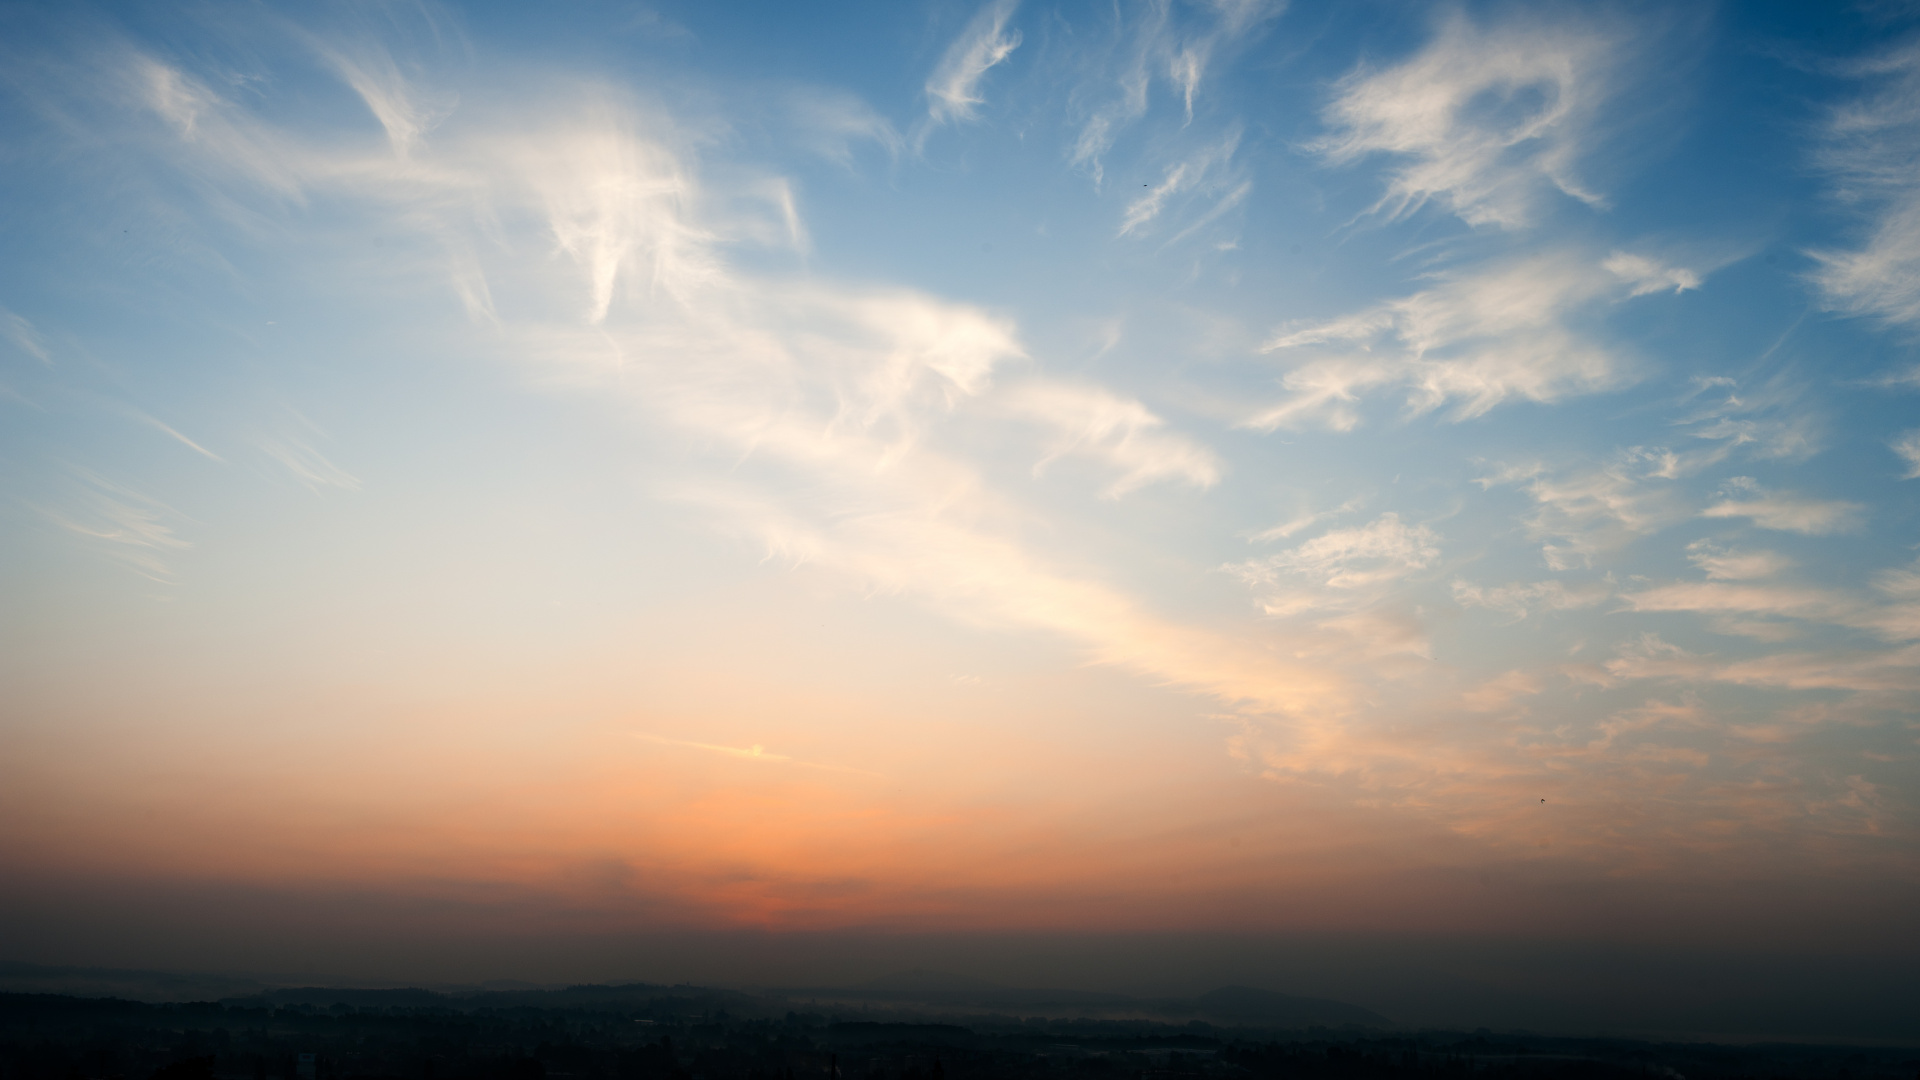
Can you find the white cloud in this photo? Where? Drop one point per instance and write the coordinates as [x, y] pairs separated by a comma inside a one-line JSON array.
[[1770, 422], [1728, 564], [1091, 422], [837, 424], [1156, 42], [1523, 598], [1883, 278], [953, 90], [175, 435], [1900, 584], [813, 400], [924, 537], [829, 123], [1785, 512], [1649, 275], [1383, 550], [1188, 60], [1207, 173], [1780, 601], [1906, 378], [129, 527], [223, 135], [1352, 585], [397, 102], [1301, 522], [1907, 445], [1870, 146], [1898, 620], [1501, 691], [1654, 718], [615, 205], [1583, 514], [1483, 118], [24, 336], [1474, 339], [307, 464], [1861, 671]]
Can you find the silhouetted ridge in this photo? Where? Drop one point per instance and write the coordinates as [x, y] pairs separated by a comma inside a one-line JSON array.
[[403, 998], [678, 1034], [1242, 1006], [1248, 1005]]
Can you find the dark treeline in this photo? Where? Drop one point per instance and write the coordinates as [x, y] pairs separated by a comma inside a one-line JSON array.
[[685, 1033]]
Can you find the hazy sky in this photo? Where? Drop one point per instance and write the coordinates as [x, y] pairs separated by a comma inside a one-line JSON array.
[[599, 468]]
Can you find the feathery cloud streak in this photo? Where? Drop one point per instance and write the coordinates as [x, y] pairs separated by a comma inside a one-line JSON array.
[[1476, 339], [1871, 142], [1484, 117], [1430, 574], [953, 90]]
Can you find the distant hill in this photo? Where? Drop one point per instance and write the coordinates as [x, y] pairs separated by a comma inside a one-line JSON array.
[[947, 990], [131, 984], [411, 997], [1247, 1005], [1231, 1006], [915, 991], [593, 997]]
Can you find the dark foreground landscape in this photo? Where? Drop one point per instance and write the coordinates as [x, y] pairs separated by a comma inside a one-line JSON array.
[[640, 1032]]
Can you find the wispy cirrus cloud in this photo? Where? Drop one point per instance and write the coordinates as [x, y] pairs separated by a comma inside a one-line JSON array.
[[1207, 183], [830, 123], [215, 131], [1721, 598], [1895, 618], [1301, 522], [1869, 150], [1885, 672], [1899, 378], [133, 529], [1474, 340], [1732, 564], [1522, 599], [631, 219], [1483, 119], [308, 466], [863, 430], [1645, 274], [1907, 446], [1350, 582], [1860, 671], [921, 544], [1772, 421], [953, 90], [1785, 511], [1382, 550], [822, 403], [25, 336], [404, 112], [756, 752], [1095, 423], [1157, 43], [169, 431], [1582, 513]]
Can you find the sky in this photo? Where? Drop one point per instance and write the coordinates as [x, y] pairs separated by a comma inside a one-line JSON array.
[[605, 490]]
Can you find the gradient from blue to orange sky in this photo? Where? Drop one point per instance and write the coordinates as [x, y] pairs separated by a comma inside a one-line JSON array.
[[600, 471]]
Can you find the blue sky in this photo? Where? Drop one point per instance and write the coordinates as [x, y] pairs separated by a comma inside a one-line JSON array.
[[1186, 464]]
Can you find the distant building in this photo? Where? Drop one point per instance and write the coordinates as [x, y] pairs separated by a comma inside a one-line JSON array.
[[306, 1068]]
